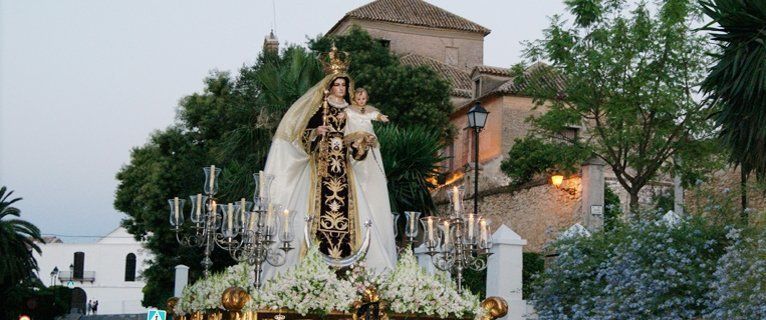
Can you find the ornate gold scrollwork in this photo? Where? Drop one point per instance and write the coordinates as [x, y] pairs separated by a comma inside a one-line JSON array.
[[494, 307]]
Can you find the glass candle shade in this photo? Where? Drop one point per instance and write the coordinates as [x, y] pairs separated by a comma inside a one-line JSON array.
[[198, 209], [411, 230], [485, 233], [430, 229], [471, 229], [285, 225], [176, 211], [231, 221], [262, 187], [215, 211], [267, 220], [456, 195], [447, 237], [243, 208], [211, 179]]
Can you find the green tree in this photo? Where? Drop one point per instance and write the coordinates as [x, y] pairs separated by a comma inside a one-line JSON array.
[[170, 165], [17, 241], [736, 81], [628, 76], [532, 156], [410, 157]]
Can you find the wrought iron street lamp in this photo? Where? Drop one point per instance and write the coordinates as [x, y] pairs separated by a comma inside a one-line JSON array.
[[477, 118]]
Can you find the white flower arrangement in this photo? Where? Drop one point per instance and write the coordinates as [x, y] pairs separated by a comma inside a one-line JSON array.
[[313, 287], [205, 294], [310, 286], [410, 289]]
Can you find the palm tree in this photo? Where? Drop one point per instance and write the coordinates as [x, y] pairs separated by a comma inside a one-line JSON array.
[[410, 158], [16, 244], [738, 82]]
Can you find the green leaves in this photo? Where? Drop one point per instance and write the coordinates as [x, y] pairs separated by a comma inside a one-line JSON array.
[[629, 76], [530, 157], [410, 158], [17, 241], [738, 80]]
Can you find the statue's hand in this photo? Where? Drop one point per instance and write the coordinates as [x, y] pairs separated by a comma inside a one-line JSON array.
[[323, 129]]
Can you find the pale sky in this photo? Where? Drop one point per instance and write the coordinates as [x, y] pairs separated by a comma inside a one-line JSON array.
[[84, 81]]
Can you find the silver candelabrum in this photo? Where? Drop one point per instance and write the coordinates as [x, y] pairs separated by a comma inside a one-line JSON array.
[[455, 242], [247, 230]]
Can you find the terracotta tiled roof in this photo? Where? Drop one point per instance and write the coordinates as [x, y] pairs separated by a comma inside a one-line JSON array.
[[458, 77], [554, 80], [413, 12], [492, 70], [516, 88]]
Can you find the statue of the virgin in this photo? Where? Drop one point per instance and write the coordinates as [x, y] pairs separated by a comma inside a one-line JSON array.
[[319, 172]]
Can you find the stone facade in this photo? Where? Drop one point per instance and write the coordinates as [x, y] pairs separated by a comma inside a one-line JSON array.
[[453, 47], [537, 213]]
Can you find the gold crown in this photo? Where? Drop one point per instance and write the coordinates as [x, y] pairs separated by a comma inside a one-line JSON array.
[[335, 62]]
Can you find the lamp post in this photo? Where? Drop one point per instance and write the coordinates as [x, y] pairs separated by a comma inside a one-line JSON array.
[[477, 118]]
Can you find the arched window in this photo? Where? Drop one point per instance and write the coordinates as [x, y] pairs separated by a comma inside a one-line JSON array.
[[130, 267], [79, 265]]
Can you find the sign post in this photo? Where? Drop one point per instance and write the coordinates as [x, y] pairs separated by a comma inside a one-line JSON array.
[[155, 314]]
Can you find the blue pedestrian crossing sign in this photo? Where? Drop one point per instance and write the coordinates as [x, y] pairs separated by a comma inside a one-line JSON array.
[[156, 315]]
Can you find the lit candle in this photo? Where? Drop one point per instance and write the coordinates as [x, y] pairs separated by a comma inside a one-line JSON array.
[[230, 217], [446, 233], [213, 210], [269, 223], [212, 178], [176, 207], [430, 221], [470, 227], [252, 221], [199, 205], [285, 221], [456, 200], [483, 228]]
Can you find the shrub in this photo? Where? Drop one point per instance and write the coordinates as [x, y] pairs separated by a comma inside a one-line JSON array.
[[649, 269]]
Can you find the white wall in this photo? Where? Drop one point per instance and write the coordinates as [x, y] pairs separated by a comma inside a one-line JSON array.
[[107, 259]]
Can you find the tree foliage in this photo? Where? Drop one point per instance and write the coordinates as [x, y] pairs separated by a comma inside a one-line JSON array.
[[532, 156], [17, 241], [738, 80], [410, 157], [17, 266], [629, 75]]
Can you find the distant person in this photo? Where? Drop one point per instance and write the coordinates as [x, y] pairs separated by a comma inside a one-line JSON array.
[[89, 307], [95, 307]]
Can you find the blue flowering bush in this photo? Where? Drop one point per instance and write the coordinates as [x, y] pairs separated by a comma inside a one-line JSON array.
[[739, 289], [650, 269]]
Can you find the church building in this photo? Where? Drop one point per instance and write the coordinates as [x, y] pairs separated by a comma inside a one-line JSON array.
[[423, 34]]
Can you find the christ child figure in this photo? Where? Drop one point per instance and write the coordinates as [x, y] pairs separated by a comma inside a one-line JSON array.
[[360, 135]]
